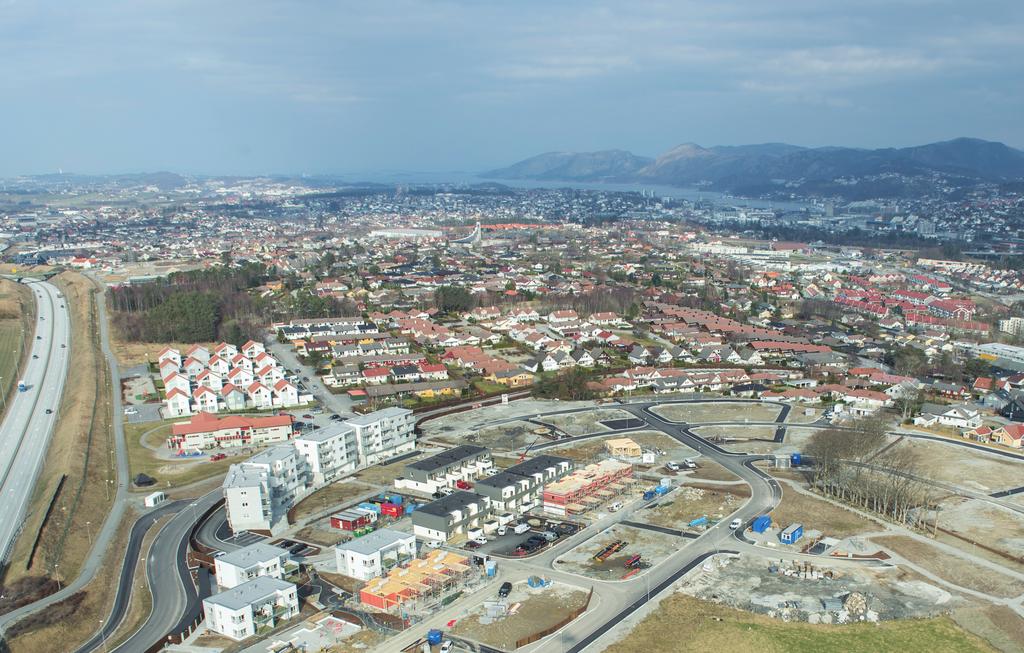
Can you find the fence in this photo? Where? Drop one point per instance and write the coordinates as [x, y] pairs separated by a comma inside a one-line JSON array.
[[46, 520], [541, 634]]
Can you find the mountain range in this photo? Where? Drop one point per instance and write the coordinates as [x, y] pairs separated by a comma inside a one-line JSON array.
[[772, 167]]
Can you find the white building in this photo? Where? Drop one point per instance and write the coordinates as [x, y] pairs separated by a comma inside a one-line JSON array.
[[383, 434], [242, 565], [329, 452], [259, 604], [259, 492], [370, 555]]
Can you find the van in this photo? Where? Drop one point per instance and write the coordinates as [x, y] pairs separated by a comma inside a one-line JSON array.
[[615, 507], [519, 529]]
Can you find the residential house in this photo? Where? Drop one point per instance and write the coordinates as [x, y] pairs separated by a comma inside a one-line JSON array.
[[252, 607]]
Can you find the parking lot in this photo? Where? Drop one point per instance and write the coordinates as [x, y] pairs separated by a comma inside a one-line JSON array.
[[506, 545]]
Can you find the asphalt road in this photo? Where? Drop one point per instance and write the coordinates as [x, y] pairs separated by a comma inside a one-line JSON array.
[[27, 426]]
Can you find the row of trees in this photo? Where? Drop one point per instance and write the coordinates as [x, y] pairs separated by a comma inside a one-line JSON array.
[[193, 306], [856, 468]]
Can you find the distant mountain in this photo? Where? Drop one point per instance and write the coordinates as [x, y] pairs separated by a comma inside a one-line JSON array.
[[574, 166], [759, 169]]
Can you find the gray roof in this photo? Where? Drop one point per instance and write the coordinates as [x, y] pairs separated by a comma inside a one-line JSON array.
[[374, 541], [252, 555], [325, 433], [374, 417], [244, 595], [445, 458], [454, 501]]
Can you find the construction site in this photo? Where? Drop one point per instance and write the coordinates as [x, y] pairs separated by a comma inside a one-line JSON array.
[[619, 552], [818, 592]]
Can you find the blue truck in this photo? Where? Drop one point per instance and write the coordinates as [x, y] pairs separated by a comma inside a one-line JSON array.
[[22, 387]]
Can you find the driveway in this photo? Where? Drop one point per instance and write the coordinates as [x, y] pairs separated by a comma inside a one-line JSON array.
[[340, 404]]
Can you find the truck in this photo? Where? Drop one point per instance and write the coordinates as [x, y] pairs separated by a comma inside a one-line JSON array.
[[22, 387]]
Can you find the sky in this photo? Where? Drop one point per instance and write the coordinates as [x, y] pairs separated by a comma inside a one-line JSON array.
[[338, 87]]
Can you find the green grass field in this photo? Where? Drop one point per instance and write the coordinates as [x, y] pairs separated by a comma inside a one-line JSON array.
[[703, 626], [168, 473]]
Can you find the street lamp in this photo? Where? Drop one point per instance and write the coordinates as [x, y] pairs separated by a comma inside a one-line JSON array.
[[88, 531]]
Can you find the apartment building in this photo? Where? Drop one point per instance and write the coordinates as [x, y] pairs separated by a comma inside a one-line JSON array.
[[383, 434], [371, 555], [253, 561], [259, 492], [459, 513], [329, 453], [520, 487], [257, 605], [463, 463]]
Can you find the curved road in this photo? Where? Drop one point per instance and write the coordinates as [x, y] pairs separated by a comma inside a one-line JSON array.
[[31, 415]]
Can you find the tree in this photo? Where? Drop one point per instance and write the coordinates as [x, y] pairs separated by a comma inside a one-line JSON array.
[[453, 299]]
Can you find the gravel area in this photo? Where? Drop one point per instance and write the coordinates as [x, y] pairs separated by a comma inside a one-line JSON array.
[[653, 546]]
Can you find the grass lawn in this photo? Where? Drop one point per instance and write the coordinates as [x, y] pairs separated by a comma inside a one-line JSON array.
[[483, 386], [819, 514], [701, 626], [168, 473]]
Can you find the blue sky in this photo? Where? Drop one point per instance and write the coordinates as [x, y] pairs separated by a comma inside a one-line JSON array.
[[228, 87]]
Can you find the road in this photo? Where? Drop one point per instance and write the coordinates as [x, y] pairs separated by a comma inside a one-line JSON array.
[[31, 416]]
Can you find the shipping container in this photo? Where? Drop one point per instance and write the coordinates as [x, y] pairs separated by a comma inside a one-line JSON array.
[[662, 490], [649, 494], [154, 499], [434, 637], [795, 460], [366, 505], [391, 510], [761, 524], [792, 533], [700, 521]]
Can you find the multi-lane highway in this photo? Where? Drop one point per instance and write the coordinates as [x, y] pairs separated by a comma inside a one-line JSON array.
[[31, 415]]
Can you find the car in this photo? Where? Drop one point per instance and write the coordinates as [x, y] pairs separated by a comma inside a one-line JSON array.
[[519, 529], [305, 378], [549, 536], [39, 337], [317, 411], [472, 544], [307, 416], [218, 554], [673, 466], [433, 544], [502, 530], [131, 411], [505, 589], [35, 355], [445, 491], [462, 485], [41, 317], [736, 523], [335, 418], [446, 646], [481, 540], [63, 346], [615, 507], [49, 411]]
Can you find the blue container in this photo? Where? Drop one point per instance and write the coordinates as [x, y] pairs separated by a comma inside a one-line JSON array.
[[396, 499], [700, 521], [648, 495], [662, 490], [491, 567], [409, 508], [761, 524], [795, 460], [366, 505], [434, 637], [792, 534]]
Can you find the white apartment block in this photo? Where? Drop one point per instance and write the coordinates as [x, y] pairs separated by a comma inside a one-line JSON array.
[[465, 462], [259, 492], [370, 555], [383, 434], [1014, 326], [329, 452], [255, 606], [242, 565]]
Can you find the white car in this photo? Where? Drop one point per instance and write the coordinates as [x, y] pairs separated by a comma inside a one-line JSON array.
[[446, 646], [615, 507], [736, 523], [131, 411], [433, 544], [673, 466], [480, 540]]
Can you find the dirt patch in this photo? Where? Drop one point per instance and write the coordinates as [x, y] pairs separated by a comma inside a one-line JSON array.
[[980, 521], [384, 475], [347, 583], [796, 415], [819, 514], [586, 422], [697, 413], [999, 625], [954, 569], [968, 468], [709, 470], [332, 497], [138, 353], [537, 609], [685, 504], [319, 533], [593, 449], [721, 433], [653, 546]]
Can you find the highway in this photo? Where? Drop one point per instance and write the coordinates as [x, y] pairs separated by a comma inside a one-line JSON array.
[[31, 415]]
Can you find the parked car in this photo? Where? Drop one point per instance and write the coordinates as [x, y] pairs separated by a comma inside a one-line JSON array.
[[615, 507], [672, 466], [335, 418], [462, 485], [433, 544], [49, 411], [505, 589], [481, 540], [446, 646], [445, 491], [472, 544], [689, 464], [549, 536], [307, 416], [131, 411], [736, 523], [519, 529], [502, 530]]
